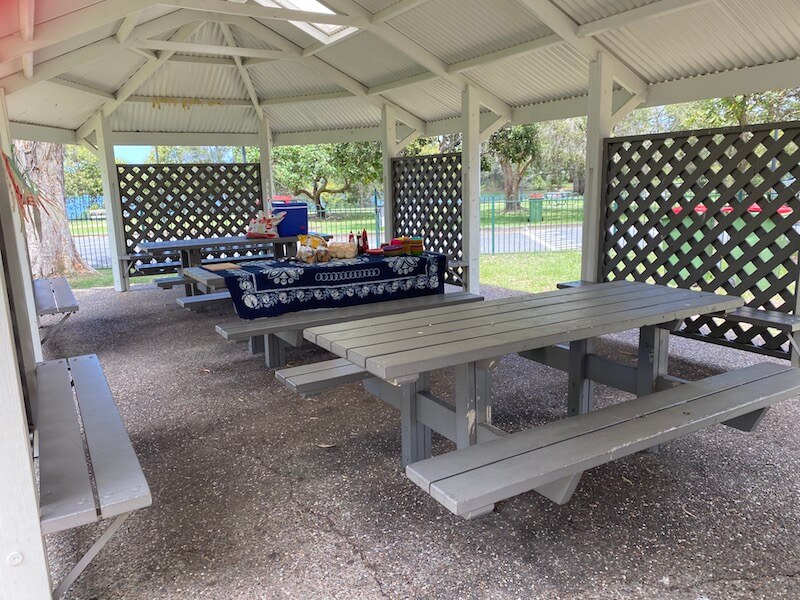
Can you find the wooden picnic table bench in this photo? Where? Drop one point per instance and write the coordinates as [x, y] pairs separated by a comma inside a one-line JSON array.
[[88, 469], [395, 356], [272, 335], [54, 296]]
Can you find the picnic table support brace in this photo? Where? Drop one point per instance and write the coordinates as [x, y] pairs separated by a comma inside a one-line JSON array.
[[274, 351], [580, 390], [653, 359], [415, 437], [53, 328], [473, 402]]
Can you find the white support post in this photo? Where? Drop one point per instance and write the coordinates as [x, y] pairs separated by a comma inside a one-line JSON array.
[[116, 232], [265, 158], [19, 244], [471, 186], [23, 559], [389, 130], [598, 127]]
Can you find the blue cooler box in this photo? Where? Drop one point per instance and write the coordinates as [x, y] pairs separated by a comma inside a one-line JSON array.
[[296, 220]]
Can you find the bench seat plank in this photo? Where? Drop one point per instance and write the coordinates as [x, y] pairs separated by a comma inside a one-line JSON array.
[[316, 377], [43, 295], [65, 299], [169, 282], [240, 331], [67, 499], [204, 300], [765, 318], [704, 403], [121, 486]]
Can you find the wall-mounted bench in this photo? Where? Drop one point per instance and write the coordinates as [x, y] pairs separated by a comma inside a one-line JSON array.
[[272, 335], [76, 490], [54, 297], [550, 459]]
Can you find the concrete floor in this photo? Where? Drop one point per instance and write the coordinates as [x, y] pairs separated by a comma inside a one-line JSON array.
[[259, 493]]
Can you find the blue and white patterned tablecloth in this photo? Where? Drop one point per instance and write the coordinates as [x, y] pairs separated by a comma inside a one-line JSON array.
[[267, 288]]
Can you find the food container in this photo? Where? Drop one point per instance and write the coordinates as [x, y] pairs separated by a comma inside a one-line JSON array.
[[296, 220], [392, 250], [375, 251]]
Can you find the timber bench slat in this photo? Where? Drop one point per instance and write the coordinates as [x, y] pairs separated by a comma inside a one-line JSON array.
[[121, 486], [204, 300], [54, 296], [76, 415], [241, 331], [468, 481], [65, 489], [317, 377], [166, 283]]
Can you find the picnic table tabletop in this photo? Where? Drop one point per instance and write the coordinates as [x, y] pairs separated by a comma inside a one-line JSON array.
[[215, 242], [402, 346]]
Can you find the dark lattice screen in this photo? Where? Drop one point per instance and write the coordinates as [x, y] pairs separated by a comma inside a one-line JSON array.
[[427, 203], [715, 210], [171, 201]]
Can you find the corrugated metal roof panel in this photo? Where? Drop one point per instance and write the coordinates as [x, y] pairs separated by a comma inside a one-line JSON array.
[[682, 44], [107, 76], [172, 118], [368, 59], [545, 75], [283, 79], [36, 105], [194, 81], [432, 100], [329, 114], [456, 30], [586, 11]]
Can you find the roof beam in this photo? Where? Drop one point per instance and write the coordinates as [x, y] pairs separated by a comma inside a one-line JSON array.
[[401, 83], [232, 51], [221, 102], [79, 87], [126, 27], [329, 72], [426, 59], [567, 29], [308, 98], [137, 79], [626, 18], [248, 84], [70, 25], [26, 10], [396, 9], [513, 51]]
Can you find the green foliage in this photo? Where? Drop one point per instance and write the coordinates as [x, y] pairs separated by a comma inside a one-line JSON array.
[[517, 145], [81, 172]]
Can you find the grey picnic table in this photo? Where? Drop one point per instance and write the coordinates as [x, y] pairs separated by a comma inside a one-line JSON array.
[[399, 352]]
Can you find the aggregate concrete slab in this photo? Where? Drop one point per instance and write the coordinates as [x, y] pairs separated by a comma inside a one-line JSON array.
[[259, 493]]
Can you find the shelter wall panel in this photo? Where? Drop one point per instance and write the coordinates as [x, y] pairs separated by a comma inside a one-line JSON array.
[[187, 201], [426, 192], [716, 210]]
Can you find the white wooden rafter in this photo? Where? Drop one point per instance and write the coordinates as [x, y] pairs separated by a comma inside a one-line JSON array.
[[136, 81], [567, 29], [126, 27], [248, 84], [626, 18], [79, 87], [331, 73], [26, 22], [70, 25], [231, 51], [423, 57]]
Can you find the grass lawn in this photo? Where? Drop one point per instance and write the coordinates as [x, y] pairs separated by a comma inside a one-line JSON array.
[[88, 227], [537, 272], [104, 278]]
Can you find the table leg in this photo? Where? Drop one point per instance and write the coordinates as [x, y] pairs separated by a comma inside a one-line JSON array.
[[653, 359], [415, 437], [581, 389], [473, 399]]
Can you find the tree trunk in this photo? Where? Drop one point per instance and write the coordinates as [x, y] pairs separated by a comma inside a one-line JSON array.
[[52, 251], [511, 183]]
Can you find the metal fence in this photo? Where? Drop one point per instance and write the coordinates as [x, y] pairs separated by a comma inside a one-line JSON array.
[[538, 222], [87, 224]]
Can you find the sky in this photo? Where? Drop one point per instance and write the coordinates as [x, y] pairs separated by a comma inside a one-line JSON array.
[[132, 154]]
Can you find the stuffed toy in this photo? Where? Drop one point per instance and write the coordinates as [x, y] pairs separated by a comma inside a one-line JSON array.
[[263, 226]]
